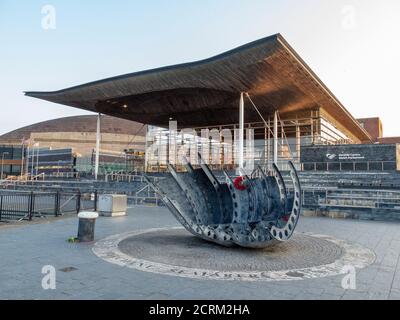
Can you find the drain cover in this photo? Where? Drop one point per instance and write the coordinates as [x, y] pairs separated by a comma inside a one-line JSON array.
[[68, 269]]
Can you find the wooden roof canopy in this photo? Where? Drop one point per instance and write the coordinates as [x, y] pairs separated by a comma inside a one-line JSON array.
[[207, 92]]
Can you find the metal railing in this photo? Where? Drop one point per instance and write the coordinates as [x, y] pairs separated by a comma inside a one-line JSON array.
[[123, 177], [147, 196], [351, 198], [63, 175], [17, 205], [24, 179]]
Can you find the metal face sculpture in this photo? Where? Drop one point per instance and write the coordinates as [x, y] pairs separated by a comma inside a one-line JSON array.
[[248, 212]]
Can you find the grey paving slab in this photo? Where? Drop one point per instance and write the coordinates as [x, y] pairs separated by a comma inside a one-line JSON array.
[[27, 248]]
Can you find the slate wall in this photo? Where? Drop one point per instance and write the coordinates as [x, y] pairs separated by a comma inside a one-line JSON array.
[[359, 157]]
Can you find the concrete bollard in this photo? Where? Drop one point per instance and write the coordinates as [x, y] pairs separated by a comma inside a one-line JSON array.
[[86, 226]]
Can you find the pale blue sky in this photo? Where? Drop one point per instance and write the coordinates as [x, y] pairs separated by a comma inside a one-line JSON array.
[[352, 45]]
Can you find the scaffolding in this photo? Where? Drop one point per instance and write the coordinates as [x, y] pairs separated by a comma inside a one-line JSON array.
[[259, 148]]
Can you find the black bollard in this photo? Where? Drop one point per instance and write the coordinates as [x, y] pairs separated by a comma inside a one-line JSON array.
[[86, 226]]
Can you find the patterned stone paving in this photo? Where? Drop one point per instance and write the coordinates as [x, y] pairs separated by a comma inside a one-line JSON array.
[[175, 252], [179, 248], [25, 249]]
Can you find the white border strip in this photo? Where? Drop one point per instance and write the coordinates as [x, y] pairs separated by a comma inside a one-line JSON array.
[[354, 255]]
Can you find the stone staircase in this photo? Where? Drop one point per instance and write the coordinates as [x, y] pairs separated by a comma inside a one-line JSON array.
[[362, 195], [368, 180], [359, 195]]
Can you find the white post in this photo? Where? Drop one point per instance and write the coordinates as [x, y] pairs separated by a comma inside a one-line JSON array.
[[172, 133], [96, 166], [298, 141], [276, 137], [27, 160], [146, 153], [241, 133], [32, 160], [37, 161], [22, 157]]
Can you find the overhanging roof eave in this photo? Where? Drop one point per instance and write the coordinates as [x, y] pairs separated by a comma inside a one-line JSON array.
[[63, 96]]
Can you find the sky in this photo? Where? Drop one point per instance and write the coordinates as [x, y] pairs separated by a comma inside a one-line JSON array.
[[352, 45]]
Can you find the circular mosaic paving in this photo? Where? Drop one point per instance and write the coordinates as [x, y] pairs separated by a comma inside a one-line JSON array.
[[174, 251]]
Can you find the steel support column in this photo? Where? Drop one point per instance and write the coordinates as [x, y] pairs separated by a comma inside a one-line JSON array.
[[276, 137], [241, 132], [96, 166], [298, 141]]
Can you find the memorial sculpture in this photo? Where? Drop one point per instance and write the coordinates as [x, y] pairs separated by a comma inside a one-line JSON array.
[[251, 212]]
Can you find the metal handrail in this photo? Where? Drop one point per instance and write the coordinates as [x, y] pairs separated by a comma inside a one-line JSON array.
[[350, 198]]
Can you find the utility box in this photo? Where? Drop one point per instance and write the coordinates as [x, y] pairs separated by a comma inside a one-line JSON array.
[[112, 205]]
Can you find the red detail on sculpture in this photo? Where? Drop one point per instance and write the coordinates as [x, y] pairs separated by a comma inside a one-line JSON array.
[[239, 183]]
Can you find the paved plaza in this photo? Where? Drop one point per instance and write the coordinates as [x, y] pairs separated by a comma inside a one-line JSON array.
[[81, 274]]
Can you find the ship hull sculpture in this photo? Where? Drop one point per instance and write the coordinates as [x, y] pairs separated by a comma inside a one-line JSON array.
[[246, 212]]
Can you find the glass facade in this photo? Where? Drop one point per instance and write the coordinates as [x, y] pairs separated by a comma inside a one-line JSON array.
[[45, 160], [108, 163], [219, 145], [331, 135], [10, 160], [34, 161]]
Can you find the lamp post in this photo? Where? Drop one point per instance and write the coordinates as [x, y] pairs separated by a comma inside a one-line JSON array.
[[2, 164]]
